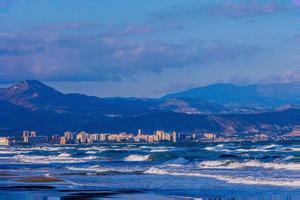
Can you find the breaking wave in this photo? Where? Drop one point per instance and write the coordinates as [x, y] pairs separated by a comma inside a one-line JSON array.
[[61, 158], [137, 158], [229, 164], [8, 151], [94, 168], [94, 148], [91, 152], [107, 170], [249, 180], [264, 148]]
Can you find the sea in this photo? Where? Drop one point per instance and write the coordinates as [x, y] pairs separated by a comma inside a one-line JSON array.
[[204, 171]]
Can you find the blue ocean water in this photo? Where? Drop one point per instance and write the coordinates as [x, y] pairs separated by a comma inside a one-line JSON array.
[[241, 171]]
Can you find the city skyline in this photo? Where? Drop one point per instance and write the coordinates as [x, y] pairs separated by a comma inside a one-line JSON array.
[[147, 49], [159, 136]]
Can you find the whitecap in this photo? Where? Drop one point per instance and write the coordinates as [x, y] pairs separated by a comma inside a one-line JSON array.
[[155, 170], [158, 150], [91, 152], [271, 146], [229, 164], [13, 151], [94, 168], [48, 148], [292, 149], [94, 148], [249, 180], [138, 158], [61, 158], [64, 155]]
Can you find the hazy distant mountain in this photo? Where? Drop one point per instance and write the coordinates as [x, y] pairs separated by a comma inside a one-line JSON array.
[[269, 95], [35, 95], [190, 106], [35, 106]]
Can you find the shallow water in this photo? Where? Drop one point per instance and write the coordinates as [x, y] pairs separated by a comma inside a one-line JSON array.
[[265, 170]]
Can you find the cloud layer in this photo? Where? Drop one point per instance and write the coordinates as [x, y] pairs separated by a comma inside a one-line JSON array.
[[228, 9], [48, 55]]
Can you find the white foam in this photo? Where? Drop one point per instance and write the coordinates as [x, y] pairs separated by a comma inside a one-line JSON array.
[[95, 168], [217, 148], [155, 170], [229, 179], [223, 164], [138, 158], [158, 150], [210, 148], [13, 151], [48, 148], [228, 164], [91, 152], [271, 146], [62, 155], [94, 148], [292, 149], [61, 158], [148, 147], [265, 148]]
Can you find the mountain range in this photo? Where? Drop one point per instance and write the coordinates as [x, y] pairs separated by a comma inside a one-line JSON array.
[[256, 95], [32, 105]]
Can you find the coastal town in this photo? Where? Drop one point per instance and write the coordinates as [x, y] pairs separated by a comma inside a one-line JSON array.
[[159, 136]]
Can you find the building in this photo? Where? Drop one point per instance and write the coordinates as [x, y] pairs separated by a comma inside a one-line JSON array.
[[150, 139], [174, 136], [31, 137], [55, 139], [82, 137], [167, 137], [33, 134], [95, 137], [25, 136], [69, 136], [103, 137], [160, 135], [4, 141], [193, 136], [209, 136], [63, 140]]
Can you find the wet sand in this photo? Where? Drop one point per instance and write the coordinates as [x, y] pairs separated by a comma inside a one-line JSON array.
[[39, 179]]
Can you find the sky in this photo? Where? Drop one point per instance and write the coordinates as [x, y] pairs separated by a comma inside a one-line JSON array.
[[148, 48]]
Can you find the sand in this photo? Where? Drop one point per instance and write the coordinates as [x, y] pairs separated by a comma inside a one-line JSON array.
[[39, 179]]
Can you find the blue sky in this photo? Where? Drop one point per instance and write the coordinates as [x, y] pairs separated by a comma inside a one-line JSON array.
[[148, 48]]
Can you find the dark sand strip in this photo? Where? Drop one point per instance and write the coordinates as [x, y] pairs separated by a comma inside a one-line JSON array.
[[39, 179]]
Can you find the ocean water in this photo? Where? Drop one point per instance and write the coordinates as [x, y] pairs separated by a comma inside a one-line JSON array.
[[239, 171]]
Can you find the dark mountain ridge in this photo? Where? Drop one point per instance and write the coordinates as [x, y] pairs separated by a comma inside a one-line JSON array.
[[32, 105], [35, 95], [256, 95]]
